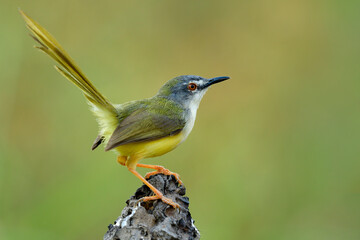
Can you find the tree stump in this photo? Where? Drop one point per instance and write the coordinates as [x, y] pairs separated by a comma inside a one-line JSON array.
[[155, 220]]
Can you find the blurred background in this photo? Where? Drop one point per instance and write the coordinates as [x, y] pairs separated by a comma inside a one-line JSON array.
[[274, 153]]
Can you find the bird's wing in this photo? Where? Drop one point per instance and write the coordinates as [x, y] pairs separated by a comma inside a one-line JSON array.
[[145, 125]]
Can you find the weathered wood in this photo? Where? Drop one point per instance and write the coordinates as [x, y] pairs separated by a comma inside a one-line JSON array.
[[155, 220]]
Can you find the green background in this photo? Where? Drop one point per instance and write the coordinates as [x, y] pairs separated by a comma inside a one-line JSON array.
[[274, 153]]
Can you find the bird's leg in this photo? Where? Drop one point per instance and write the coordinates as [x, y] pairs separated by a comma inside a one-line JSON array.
[[159, 169], [158, 194]]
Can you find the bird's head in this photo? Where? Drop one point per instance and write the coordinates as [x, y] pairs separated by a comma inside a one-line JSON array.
[[188, 90]]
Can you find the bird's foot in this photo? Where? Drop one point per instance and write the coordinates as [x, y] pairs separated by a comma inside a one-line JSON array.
[[162, 198], [158, 194], [160, 169]]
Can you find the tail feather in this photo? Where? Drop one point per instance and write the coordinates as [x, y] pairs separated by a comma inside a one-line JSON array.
[[70, 70]]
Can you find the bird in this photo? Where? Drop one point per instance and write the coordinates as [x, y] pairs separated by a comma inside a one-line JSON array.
[[138, 129]]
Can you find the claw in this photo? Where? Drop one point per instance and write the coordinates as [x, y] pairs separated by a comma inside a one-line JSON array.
[[162, 198], [158, 194], [160, 169]]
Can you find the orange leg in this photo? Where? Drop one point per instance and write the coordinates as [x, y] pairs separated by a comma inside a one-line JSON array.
[[123, 160], [159, 169], [158, 194]]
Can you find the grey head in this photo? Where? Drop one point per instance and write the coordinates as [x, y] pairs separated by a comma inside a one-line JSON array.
[[188, 90]]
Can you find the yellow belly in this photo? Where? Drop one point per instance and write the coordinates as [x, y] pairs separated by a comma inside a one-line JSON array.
[[151, 148]]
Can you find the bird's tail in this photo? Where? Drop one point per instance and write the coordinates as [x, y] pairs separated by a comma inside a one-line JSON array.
[[68, 69], [104, 111]]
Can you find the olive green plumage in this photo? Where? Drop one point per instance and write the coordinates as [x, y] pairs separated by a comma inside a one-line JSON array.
[[158, 116]]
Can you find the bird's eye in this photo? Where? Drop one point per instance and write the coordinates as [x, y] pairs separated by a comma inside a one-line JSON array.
[[192, 86]]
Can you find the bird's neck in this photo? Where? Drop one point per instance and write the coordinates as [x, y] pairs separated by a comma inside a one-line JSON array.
[[190, 106]]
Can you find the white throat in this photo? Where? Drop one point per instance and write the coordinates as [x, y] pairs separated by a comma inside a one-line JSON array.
[[193, 107]]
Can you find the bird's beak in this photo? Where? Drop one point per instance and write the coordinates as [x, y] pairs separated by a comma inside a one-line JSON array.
[[215, 80]]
